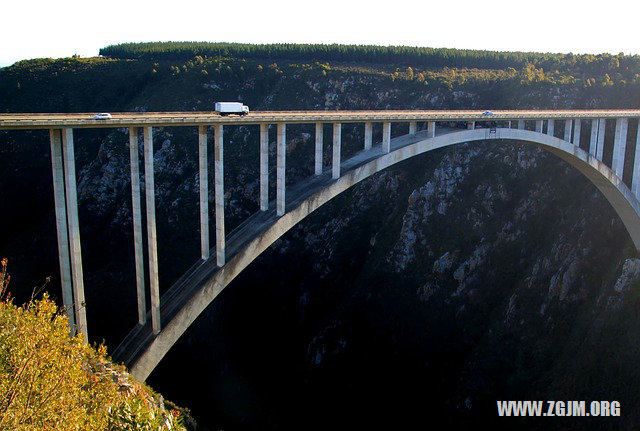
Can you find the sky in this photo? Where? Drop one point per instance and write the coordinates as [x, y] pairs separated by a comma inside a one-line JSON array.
[[35, 28]]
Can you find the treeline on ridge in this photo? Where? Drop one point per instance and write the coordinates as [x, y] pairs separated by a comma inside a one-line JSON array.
[[396, 55]]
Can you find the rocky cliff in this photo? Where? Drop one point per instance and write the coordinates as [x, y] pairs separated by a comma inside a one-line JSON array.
[[420, 296]]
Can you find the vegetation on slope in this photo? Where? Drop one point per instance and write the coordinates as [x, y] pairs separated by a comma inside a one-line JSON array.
[[401, 55], [139, 72], [51, 380], [587, 66]]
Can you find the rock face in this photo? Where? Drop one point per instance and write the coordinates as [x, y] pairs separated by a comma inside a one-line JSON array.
[[485, 272]]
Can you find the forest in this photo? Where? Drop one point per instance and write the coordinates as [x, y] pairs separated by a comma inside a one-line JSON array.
[[420, 57]]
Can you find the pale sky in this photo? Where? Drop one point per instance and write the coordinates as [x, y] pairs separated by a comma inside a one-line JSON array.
[[36, 28]]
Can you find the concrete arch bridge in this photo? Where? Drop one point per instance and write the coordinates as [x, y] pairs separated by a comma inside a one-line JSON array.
[[581, 138]]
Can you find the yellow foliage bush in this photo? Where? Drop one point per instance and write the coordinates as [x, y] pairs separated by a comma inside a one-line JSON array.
[[50, 380]]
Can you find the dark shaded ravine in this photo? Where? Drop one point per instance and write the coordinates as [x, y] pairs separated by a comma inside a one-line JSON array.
[[342, 323]]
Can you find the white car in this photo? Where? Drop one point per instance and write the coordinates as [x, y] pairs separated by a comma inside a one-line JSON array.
[[102, 116]]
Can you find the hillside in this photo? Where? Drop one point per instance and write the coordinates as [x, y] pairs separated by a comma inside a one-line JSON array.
[[51, 380], [481, 272]]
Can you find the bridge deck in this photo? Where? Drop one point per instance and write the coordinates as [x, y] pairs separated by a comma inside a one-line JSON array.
[[178, 295], [139, 119]]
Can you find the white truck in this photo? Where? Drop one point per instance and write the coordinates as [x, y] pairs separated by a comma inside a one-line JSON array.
[[226, 108]]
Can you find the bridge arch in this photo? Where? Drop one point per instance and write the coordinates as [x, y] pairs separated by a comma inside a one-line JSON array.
[[612, 187]]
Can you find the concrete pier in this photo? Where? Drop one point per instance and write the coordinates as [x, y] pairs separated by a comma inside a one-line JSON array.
[[368, 136], [136, 215], [337, 144], [577, 128], [319, 148], [281, 151], [431, 129], [619, 146], [386, 137], [551, 127], [75, 250], [152, 242], [203, 178], [635, 184], [521, 124], [593, 140], [57, 168], [218, 152], [600, 144], [567, 130], [471, 125], [413, 127], [539, 126], [264, 166]]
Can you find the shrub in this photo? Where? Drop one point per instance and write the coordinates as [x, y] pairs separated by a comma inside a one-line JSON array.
[[52, 380]]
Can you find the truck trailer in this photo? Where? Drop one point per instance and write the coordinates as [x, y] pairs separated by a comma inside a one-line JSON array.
[[226, 108]]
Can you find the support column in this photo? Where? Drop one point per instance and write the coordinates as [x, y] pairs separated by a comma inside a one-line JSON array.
[[57, 168], [74, 232], [635, 182], [576, 132], [218, 152], [204, 192], [337, 144], [264, 166], [280, 168], [594, 137], [431, 129], [509, 124], [567, 130], [521, 124], [413, 127], [601, 130], [539, 126], [319, 145], [136, 215], [152, 243], [551, 127], [471, 125], [368, 135], [386, 137], [619, 146]]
